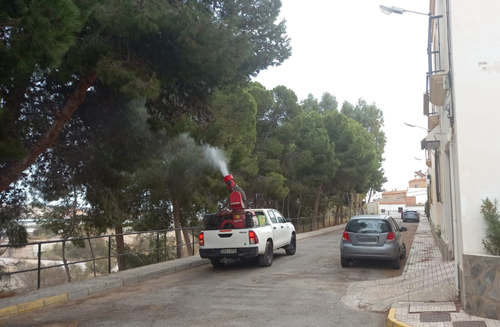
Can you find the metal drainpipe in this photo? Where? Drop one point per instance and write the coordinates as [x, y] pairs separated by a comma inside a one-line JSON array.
[[451, 116], [454, 211]]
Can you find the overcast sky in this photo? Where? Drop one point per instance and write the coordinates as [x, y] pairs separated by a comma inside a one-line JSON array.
[[352, 50]]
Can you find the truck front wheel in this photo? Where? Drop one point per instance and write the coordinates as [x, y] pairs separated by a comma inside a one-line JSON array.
[[266, 259]]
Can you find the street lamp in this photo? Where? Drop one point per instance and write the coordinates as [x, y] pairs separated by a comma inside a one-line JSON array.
[[389, 10], [411, 125]]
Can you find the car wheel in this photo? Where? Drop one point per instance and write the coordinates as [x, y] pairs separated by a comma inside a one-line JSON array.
[[403, 253], [292, 247], [344, 262], [216, 263], [396, 263], [266, 259]]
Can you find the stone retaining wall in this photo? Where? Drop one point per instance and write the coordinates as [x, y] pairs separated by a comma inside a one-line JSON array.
[[480, 285]]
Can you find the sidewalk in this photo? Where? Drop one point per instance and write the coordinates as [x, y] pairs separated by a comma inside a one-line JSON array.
[[57, 294], [423, 296]]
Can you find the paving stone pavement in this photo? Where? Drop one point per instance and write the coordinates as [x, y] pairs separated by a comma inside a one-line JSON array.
[[428, 283]]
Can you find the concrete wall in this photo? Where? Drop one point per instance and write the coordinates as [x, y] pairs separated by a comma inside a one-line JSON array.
[[391, 209], [420, 183], [475, 31]]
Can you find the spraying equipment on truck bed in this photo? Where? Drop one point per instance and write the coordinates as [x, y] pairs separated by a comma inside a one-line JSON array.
[[236, 217]]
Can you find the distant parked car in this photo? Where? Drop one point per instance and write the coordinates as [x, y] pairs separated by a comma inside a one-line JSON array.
[[411, 215], [375, 237]]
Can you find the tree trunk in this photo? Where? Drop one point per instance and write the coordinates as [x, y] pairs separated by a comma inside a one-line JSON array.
[[65, 262], [349, 202], [120, 247], [69, 234], [342, 214], [370, 196], [45, 141], [176, 210], [337, 218], [355, 199], [300, 203], [187, 241], [316, 204], [288, 206], [92, 253], [325, 213]]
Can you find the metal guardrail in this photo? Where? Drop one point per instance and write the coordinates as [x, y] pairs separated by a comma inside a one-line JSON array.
[[110, 255], [305, 224]]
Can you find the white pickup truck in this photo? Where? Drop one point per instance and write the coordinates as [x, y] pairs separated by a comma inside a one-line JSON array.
[[265, 230]]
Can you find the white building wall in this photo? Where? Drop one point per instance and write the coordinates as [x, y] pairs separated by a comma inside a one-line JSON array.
[[475, 31], [391, 209], [420, 194]]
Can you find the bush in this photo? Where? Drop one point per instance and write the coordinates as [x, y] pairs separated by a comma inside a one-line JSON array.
[[490, 213]]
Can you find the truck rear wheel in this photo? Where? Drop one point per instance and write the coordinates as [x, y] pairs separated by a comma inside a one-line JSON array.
[[266, 259], [216, 263]]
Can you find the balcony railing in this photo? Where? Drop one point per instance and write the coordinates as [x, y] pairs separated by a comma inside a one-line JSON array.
[[436, 74]]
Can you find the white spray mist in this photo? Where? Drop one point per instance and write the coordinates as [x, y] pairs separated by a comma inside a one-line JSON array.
[[216, 158]]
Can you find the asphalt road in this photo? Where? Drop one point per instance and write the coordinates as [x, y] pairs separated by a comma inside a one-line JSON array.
[[300, 290]]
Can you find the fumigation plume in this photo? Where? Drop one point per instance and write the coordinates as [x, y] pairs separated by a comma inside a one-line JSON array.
[[216, 158]]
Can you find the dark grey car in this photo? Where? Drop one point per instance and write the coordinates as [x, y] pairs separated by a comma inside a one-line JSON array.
[[375, 237], [411, 215]]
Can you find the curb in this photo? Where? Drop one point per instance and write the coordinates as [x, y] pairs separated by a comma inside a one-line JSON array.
[[32, 305], [393, 322], [96, 285], [303, 236]]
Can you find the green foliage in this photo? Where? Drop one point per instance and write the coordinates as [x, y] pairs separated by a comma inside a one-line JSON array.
[[491, 243], [275, 186], [11, 213], [427, 209], [172, 81], [37, 34]]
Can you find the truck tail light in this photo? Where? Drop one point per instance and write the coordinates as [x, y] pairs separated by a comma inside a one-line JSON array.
[[252, 238], [202, 239], [346, 237], [390, 237]]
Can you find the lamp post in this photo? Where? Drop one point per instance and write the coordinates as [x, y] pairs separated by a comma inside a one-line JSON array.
[[389, 10], [411, 125]]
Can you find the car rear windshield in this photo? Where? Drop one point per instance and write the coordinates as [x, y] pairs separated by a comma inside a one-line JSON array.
[[368, 226], [410, 214]]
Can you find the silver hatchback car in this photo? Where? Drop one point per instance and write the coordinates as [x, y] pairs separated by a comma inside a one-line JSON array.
[[375, 237]]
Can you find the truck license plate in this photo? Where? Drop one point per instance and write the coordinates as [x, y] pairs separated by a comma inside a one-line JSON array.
[[228, 251]]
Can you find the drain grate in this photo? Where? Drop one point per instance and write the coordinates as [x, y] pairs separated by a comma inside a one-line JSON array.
[[435, 317], [469, 324]]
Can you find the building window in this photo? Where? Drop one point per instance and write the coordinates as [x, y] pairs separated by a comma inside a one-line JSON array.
[[382, 210], [416, 185]]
